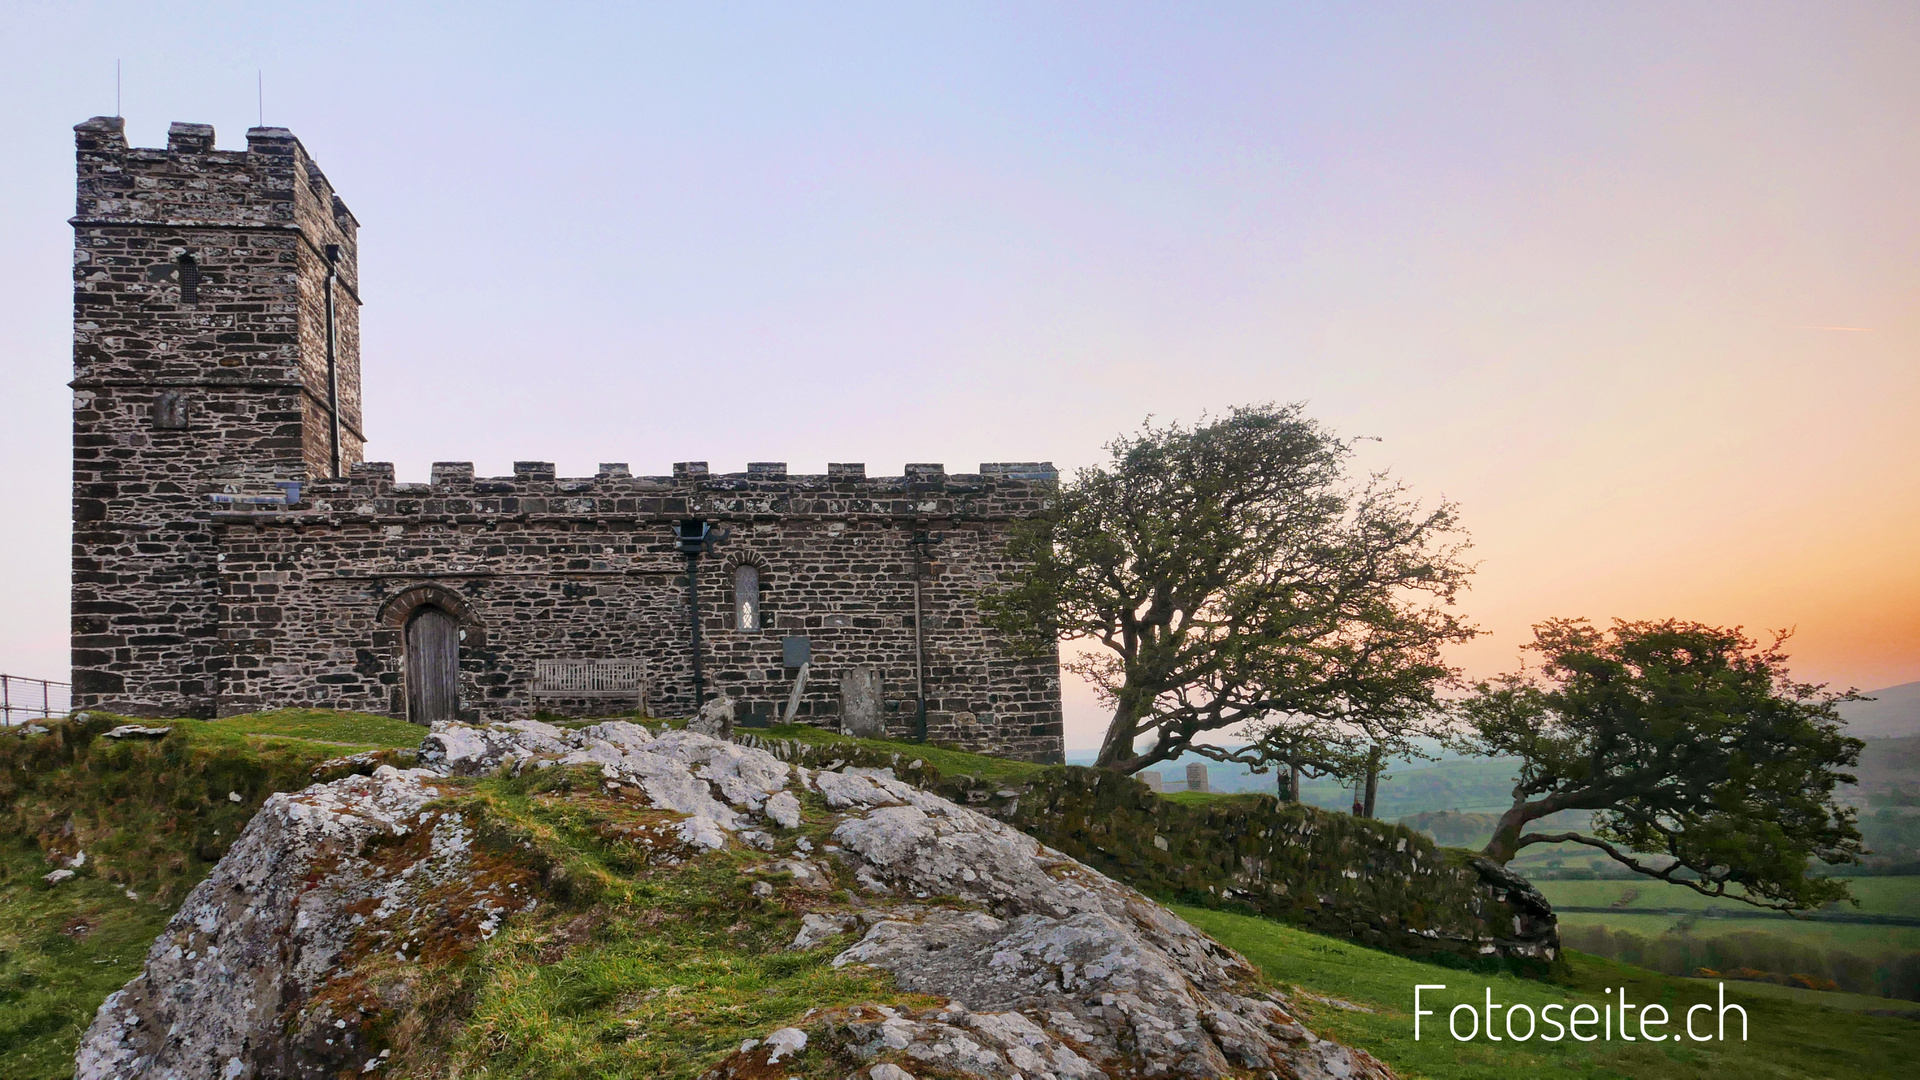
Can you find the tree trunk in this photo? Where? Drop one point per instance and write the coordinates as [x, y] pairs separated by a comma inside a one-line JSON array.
[[1506, 834], [1116, 750], [1373, 780]]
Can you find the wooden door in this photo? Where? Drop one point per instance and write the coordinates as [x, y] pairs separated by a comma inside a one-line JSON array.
[[433, 666]]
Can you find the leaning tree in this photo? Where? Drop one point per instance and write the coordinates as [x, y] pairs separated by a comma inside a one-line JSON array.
[[1704, 763], [1234, 572]]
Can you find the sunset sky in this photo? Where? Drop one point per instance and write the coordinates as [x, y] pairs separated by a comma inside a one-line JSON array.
[[1637, 285]]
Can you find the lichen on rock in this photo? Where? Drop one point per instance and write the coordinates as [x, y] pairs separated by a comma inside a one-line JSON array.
[[338, 903]]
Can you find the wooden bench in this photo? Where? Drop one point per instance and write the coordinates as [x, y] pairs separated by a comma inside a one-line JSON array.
[[607, 679]]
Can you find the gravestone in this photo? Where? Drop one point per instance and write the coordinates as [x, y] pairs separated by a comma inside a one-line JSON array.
[[1197, 777], [860, 703], [1152, 780]]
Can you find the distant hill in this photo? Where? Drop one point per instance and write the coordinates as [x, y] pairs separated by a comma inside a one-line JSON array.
[[1893, 714], [1409, 787]]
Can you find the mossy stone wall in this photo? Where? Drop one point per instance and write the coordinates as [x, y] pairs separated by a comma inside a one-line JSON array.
[[1382, 885]]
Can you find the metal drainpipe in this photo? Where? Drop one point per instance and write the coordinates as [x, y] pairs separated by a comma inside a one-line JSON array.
[[920, 542], [333, 365], [693, 608], [919, 649]]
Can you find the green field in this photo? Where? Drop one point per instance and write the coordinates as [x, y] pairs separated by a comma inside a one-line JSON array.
[[1877, 895], [1653, 908], [1676, 930], [1886, 895], [1804, 1036], [1849, 936]]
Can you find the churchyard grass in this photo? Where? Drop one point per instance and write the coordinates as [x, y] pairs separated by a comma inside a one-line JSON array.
[[949, 761]]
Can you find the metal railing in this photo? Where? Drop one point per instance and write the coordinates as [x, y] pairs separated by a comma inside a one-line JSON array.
[[33, 699]]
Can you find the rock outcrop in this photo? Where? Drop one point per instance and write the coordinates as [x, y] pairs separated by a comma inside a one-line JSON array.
[[322, 914]]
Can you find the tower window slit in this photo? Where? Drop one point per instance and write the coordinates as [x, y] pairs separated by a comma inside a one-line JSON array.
[[189, 280]]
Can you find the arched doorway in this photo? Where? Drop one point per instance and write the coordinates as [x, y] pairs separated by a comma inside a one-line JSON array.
[[433, 665]]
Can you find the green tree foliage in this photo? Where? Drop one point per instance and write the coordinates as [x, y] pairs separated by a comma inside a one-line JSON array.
[[1707, 764], [1232, 572]]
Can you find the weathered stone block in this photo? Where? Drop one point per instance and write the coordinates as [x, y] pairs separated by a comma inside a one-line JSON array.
[[861, 700]]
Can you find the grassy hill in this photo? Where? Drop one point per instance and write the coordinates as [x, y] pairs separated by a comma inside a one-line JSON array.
[[559, 995], [152, 817]]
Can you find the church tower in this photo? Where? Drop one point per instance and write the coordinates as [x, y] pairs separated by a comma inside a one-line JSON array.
[[216, 359]]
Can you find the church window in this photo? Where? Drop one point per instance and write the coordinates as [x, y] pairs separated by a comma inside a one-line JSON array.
[[746, 597]]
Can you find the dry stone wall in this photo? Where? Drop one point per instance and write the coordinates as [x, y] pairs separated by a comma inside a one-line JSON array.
[[1379, 884]]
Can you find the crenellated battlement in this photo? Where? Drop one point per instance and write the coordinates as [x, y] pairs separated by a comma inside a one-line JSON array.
[[191, 182], [217, 291], [999, 491]]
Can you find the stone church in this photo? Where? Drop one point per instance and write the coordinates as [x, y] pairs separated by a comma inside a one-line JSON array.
[[233, 552]]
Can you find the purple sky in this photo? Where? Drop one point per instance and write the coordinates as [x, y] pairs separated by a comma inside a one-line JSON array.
[[1584, 268]]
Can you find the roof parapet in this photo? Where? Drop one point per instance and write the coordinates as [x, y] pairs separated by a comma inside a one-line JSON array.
[[101, 133], [185, 138]]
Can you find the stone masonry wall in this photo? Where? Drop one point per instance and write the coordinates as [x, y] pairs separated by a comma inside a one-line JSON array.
[[203, 400], [540, 568], [188, 380]]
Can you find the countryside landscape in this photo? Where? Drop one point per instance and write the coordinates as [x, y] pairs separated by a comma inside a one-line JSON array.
[[969, 542]]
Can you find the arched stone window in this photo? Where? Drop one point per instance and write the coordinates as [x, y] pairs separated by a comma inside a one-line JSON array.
[[746, 597]]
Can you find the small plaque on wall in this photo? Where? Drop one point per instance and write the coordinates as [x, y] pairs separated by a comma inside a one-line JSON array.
[[795, 651]]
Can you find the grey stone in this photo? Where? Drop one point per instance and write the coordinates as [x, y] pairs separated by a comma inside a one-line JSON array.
[[1110, 973], [784, 1042], [255, 936], [1197, 777], [862, 703], [816, 928], [715, 718]]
